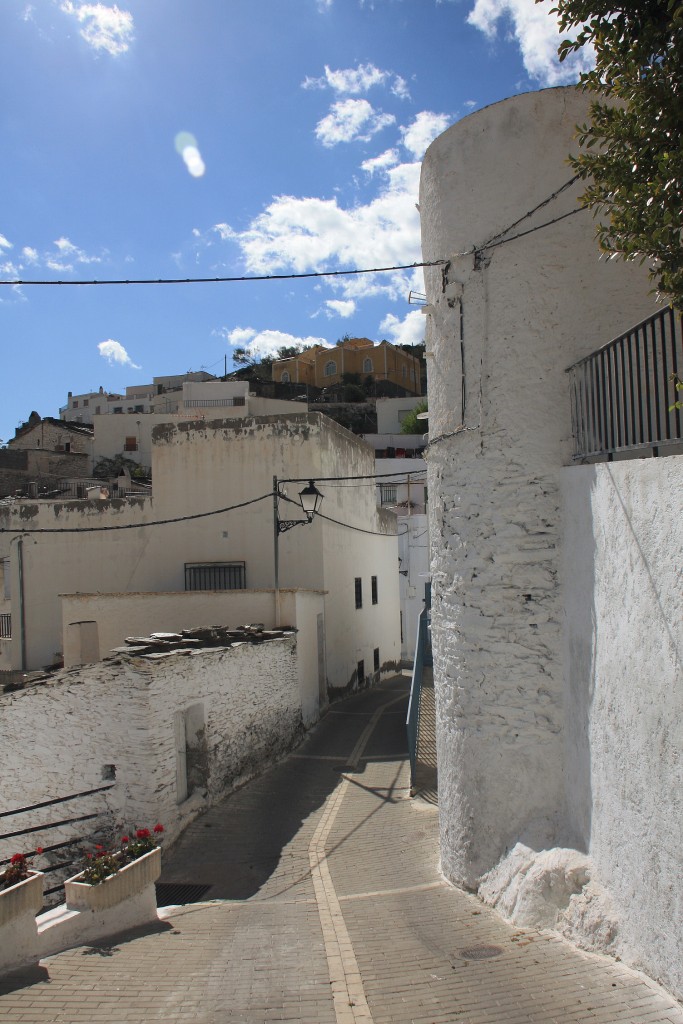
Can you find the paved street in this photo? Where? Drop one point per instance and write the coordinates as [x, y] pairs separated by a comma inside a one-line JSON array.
[[326, 906]]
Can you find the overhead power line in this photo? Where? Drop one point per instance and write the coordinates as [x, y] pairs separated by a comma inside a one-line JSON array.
[[228, 280]]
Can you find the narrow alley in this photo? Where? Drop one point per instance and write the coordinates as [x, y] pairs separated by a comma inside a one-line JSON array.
[[323, 903]]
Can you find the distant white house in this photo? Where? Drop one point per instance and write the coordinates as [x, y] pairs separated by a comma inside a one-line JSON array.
[[179, 541]]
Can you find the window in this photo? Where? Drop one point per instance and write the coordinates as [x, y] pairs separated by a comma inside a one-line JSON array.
[[330, 368], [118, 408], [67, 446], [74, 404], [373, 582], [375, 659], [367, 366], [215, 576], [360, 673], [97, 409], [285, 377], [404, 371], [139, 408], [359, 592], [131, 444], [387, 494], [86, 402]]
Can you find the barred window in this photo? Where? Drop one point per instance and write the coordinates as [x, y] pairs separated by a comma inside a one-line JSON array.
[[387, 494], [373, 582], [359, 592], [215, 576], [330, 368]]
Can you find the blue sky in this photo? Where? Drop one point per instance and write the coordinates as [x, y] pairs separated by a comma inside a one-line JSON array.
[[194, 138]]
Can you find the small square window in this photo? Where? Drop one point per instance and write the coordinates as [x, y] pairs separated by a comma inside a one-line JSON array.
[[374, 589], [359, 592]]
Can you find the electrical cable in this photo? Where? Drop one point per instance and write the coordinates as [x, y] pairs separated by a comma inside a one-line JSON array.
[[358, 529], [531, 212], [229, 280], [139, 526]]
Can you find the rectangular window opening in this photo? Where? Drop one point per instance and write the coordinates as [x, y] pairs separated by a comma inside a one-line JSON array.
[[359, 592], [360, 673], [375, 659], [215, 576]]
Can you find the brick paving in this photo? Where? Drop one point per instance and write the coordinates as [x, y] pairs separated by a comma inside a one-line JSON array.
[[326, 905]]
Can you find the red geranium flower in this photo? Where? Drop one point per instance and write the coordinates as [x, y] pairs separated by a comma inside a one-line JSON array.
[[17, 858], [158, 828], [143, 833], [124, 839], [39, 849]]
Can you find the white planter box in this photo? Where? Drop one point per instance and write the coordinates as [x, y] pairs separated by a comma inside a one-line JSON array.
[[131, 879], [93, 913], [19, 906]]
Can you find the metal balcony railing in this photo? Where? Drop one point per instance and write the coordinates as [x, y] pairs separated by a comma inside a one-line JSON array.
[[622, 396]]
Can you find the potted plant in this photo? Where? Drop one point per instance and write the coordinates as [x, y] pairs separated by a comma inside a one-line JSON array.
[[21, 898], [111, 877]]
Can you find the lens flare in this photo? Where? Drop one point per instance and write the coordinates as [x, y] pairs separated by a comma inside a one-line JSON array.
[[186, 145]]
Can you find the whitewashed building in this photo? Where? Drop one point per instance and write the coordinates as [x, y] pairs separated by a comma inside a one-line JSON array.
[[77, 570], [556, 613]]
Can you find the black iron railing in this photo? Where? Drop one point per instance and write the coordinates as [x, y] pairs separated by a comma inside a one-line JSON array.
[[423, 656], [622, 395], [63, 855], [5, 626]]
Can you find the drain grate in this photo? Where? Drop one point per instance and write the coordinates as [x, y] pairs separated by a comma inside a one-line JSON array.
[[173, 894], [479, 952]]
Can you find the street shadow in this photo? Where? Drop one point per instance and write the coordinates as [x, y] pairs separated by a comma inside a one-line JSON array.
[[238, 844]]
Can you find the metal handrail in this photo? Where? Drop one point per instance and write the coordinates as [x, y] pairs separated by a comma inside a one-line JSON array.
[[423, 657], [623, 395]]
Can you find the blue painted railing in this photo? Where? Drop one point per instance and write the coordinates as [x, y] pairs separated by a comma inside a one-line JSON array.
[[423, 657]]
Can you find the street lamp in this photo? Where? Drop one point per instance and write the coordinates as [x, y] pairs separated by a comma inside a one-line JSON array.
[[310, 499]]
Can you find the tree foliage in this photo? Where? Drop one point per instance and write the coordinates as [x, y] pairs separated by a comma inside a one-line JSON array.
[[632, 150], [410, 424]]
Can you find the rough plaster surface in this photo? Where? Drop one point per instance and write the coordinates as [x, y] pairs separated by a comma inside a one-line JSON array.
[[624, 677], [555, 676], [56, 738]]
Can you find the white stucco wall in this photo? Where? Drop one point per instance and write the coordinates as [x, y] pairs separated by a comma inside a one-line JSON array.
[[624, 669], [529, 308], [201, 466], [121, 712], [525, 755]]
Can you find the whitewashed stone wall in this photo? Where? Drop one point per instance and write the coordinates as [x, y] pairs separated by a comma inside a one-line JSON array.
[[624, 673], [502, 327], [555, 613], [56, 738]]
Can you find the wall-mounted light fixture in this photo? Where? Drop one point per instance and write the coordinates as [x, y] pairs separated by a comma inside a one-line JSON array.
[[310, 499]]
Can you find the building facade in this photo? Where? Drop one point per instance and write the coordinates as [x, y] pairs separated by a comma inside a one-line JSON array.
[[323, 367]]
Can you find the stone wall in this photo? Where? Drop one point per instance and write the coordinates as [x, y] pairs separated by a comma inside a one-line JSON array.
[[555, 607], [231, 709]]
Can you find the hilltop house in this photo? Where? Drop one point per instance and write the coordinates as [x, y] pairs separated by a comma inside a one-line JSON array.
[[397, 371]]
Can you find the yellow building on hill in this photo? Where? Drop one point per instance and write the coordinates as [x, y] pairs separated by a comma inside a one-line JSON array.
[[321, 367]]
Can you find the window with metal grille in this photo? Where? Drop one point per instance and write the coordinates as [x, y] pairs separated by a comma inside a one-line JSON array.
[[375, 659], [330, 368], [285, 377], [387, 494], [373, 583], [215, 576], [359, 592]]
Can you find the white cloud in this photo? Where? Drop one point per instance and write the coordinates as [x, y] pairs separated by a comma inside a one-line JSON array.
[[310, 234], [409, 331], [341, 307], [115, 353], [423, 130], [349, 121], [104, 28], [358, 80], [537, 35], [4, 243], [30, 254], [64, 256], [380, 163], [267, 343]]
